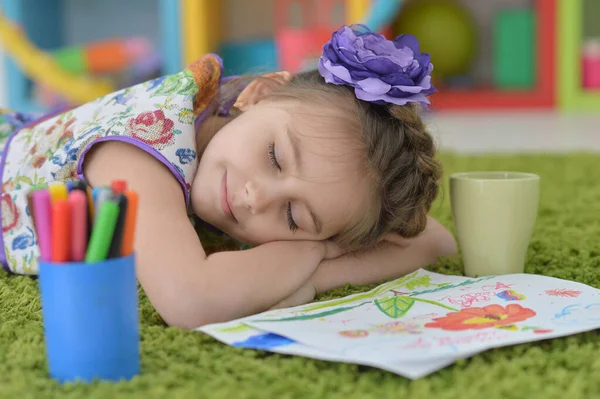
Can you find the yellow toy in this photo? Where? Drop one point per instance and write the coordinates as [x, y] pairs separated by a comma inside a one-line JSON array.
[[42, 68]]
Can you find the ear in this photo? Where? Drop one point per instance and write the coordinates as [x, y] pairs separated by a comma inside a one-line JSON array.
[[259, 88]]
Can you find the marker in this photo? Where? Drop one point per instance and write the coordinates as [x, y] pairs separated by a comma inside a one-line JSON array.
[[43, 222], [79, 185], [30, 199], [79, 224], [95, 192], [117, 240], [91, 209], [118, 186], [103, 232], [129, 230], [58, 191], [103, 194], [61, 230]]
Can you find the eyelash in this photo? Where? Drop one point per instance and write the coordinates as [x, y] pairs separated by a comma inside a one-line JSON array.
[[273, 160], [293, 226], [272, 157]]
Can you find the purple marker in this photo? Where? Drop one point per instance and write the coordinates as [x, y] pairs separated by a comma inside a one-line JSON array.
[[43, 222]]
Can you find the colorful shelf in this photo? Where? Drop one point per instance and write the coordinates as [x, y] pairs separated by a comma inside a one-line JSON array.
[[543, 96], [44, 22], [572, 96]]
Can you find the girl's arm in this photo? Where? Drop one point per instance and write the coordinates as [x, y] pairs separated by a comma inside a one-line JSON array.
[[187, 288], [393, 258]]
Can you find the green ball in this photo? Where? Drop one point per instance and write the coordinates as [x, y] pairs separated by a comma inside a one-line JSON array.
[[445, 30]]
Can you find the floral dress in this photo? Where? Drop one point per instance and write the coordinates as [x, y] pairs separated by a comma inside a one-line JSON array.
[[157, 116]]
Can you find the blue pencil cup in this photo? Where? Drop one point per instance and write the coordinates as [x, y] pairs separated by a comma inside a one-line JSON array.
[[91, 320]]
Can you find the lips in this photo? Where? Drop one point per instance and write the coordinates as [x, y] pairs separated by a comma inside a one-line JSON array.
[[225, 203]]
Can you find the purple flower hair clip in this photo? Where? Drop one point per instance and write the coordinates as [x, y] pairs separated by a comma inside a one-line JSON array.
[[380, 70]]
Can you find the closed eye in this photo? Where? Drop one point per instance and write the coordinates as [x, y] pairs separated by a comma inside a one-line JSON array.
[[272, 157], [290, 219]]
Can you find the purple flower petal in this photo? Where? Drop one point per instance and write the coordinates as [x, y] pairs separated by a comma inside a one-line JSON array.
[[330, 53], [380, 70], [338, 71], [373, 86], [397, 79], [409, 41], [389, 99], [409, 89], [347, 57], [381, 66], [362, 74]]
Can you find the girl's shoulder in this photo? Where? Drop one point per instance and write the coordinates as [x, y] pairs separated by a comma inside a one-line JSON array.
[[158, 117]]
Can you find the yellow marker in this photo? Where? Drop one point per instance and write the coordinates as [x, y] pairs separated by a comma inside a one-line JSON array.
[[58, 191]]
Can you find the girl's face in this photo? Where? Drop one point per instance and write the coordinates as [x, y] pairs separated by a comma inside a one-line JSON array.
[[276, 173]]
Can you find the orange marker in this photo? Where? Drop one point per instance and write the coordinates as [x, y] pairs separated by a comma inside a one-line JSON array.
[[129, 230], [90, 203], [61, 230]]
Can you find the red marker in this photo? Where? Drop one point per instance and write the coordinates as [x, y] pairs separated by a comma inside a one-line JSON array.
[[61, 230], [79, 224], [118, 186]]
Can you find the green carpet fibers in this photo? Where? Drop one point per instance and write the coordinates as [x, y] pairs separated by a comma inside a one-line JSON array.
[[178, 364]]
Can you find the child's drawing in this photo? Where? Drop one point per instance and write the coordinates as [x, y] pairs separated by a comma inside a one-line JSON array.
[[576, 314], [479, 318], [563, 292], [510, 295], [423, 321], [394, 327], [469, 299]]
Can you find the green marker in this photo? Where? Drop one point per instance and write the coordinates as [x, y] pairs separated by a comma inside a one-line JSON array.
[[104, 228]]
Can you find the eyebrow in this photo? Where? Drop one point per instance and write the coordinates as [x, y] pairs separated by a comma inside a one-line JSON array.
[[292, 139]]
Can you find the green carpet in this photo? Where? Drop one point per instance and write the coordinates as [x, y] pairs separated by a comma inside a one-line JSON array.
[[177, 364]]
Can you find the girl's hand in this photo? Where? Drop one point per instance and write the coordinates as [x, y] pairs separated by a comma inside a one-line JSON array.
[[397, 240], [332, 250], [304, 294]]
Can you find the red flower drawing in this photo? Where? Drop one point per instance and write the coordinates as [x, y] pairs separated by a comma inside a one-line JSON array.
[[152, 128], [479, 318], [563, 292], [10, 213]]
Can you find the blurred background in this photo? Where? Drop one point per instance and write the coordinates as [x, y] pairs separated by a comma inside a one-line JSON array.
[[511, 74]]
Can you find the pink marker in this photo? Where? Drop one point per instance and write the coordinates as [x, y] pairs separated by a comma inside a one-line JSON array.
[[79, 221], [43, 222]]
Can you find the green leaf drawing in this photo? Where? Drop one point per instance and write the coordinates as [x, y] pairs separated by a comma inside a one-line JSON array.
[[436, 303], [423, 281], [446, 286], [395, 306], [238, 328], [371, 295], [314, 315]]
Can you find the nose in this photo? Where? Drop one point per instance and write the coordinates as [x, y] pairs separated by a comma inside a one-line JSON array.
[[258, 196]]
